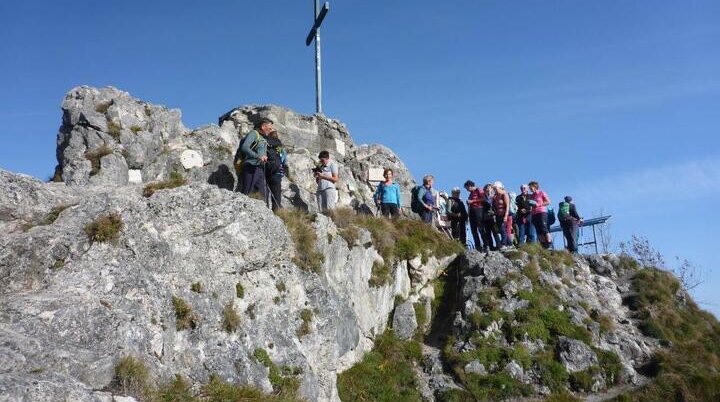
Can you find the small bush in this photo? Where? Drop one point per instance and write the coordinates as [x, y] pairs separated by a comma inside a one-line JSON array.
[[184, 316], [306, 315], [58, 264], [250, 311], [231, 319], [135, 129], [94, 157], [131, 378], [148, 110], [280, 286], [239, 290], [105, 228], [55, 213], [114, 130], [381, 275], [303, 234], [196, 287], [177, 390], [282, 379], [176, 180]]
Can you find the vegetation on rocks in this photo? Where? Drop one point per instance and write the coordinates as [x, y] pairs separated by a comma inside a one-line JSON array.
[[131, 378], [184, 316], [176, 180], [231, 319], [104, 228], [283, 379], [381, 274], [385, 373], [94, 157], [299, 224], [239, 290], [306, 316]]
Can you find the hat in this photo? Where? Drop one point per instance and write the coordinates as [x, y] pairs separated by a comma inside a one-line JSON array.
[[498, 184], [568, 198], [456, 190], [524, 186]]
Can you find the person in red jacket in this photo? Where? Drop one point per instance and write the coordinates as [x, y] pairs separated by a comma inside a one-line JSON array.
[[539, 201]]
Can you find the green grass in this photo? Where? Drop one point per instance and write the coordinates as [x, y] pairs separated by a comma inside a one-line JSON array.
[[239, 290], [55, 212], [177, 390], [184, 316], [306, 316], [94, 157], [196, 287], [303, 234], [381, 275], [104, 228], [395, 240], [384, 374], [283, 379], [132, 378], [230, 318], [689, 369], [176, 180], [135, 129]]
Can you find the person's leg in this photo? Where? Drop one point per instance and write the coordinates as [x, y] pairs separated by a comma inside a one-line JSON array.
[[462, 233], [475, 228], [246, 177], [275, 183], [532, 236], [320, 197], [509, 230], [521, 231], [395, 211], [427, 216], [566, 228], [259, 183], [486, 233], [332, 196], [572, 241], [540, 227], [385, 210], [500, 223]]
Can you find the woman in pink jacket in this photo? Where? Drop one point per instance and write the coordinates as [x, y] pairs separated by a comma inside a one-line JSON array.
[[539, 201]]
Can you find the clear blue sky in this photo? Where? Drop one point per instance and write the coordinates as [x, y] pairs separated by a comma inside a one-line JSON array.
[[614, 102]]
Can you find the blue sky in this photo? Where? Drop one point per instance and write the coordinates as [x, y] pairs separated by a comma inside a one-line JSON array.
[[614, 102]]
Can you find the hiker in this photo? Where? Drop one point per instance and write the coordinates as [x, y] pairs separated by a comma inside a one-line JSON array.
[[539, 216], [489, 230], [251, 157], [569, 222], [457, 215], [387, 195], [428, 199], [326, 176], [275, 168], [503, 220], [526, 230], [513, 229], [443, 222], [474, 202]]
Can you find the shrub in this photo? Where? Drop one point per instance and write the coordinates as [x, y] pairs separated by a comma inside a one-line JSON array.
[[250, 311], [239, 290], [196, 287], [283, 380], [94, 157], [184, 316], [381, 275], [131, 378], [177, 390], [231, 319], [280, 286], [176, 180], [303, 234], [105, 228], [114, 130], [148, 110], [306, 315], [135, 129]]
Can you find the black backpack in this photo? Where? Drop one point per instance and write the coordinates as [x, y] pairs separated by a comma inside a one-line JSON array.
[[415, 204]]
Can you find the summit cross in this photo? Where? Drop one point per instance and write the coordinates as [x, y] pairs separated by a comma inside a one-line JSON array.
[[318, 17]]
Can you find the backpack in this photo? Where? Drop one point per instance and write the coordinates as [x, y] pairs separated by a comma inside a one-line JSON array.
[[513, 205], [564, 211], [551, 216], [415, 204]]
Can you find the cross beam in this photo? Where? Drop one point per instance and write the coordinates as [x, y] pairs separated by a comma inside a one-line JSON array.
[[319, 16]]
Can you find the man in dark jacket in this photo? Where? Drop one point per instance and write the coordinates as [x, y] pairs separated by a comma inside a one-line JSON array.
[[275, 168], [526, 231], [569, 221], [251, 157], [458, 216]]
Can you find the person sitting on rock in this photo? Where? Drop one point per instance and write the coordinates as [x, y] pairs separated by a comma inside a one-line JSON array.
[[326, 176], [387, 196], [251, 157]]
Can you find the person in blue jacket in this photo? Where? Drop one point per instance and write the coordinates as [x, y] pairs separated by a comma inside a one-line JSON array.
[[387, 195]]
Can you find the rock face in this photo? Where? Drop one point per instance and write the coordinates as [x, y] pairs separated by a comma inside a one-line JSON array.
[[70, 308], [108, 137]]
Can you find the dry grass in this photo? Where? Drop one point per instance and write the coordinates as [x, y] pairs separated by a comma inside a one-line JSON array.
[[105, 228], [176, 180], [94, 157], [303, 233]]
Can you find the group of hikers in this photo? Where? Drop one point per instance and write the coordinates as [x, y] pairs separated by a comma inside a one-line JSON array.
[[498, 218]]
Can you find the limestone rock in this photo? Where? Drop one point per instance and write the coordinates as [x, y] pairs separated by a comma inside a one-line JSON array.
[[575, 355], [404, 321]]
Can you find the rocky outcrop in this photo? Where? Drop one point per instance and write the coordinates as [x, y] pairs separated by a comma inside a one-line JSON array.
[[108, 137], [71, 307]]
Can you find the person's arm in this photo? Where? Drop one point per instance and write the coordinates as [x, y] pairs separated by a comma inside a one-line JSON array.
[[573, 212], [546, 198], [506, 198], [333, 178], [397, 194], [377, 196]]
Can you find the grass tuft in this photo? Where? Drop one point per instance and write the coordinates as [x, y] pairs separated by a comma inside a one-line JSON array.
[[231, 319], [381, 275], [303, 234], [132, 378], [239, 290], [176, 180], [184, 316], [105, 228], [94, 157], [196, 287], [306, 315]]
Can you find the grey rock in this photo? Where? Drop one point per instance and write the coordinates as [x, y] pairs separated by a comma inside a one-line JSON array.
[[404, 321], [575, 355], [515, 371], [475, 367]]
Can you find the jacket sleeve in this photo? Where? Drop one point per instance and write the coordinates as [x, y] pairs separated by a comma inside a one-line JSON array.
[[247, 145], [573, 212], [397, 192]]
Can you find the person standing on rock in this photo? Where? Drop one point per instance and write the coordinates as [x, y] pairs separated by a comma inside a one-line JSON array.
[[526, 230], [275, 168], [501, 206], [428, 199], [539, 201], [458, 216], [569, 221], [251, 158], [326, 176], [474, 202], [387, 195]]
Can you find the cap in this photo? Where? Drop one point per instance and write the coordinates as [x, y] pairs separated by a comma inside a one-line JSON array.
[[456, 190], [568, 198], [498, 184]]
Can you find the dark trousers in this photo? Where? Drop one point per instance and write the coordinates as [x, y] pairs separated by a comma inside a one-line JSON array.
[[474, 215], [427, 216], [253, 179], [274, 182], [490, 233], [569, 228], [390, 210], [458, 230]]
